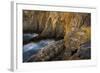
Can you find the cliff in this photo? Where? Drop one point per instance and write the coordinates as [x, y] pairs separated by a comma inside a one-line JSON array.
[[72, 27]]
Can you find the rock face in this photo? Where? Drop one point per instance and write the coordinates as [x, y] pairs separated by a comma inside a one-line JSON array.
[[58, 24], [78, 31], [69, 28]]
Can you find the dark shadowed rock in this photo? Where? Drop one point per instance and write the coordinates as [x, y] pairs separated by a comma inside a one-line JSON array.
[[85, 51]]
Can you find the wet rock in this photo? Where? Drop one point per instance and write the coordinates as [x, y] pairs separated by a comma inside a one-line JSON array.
[[49, 52]]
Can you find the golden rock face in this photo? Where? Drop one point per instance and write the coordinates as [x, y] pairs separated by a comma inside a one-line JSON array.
[[77, 31]]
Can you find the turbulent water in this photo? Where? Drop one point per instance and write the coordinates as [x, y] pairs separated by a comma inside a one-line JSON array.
[[33, 47]]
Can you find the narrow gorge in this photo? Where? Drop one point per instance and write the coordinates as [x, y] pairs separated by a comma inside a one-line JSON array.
[[54, 36]]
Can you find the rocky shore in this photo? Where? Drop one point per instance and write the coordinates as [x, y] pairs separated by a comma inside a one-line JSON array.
[[56, 51], [71, 32]]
